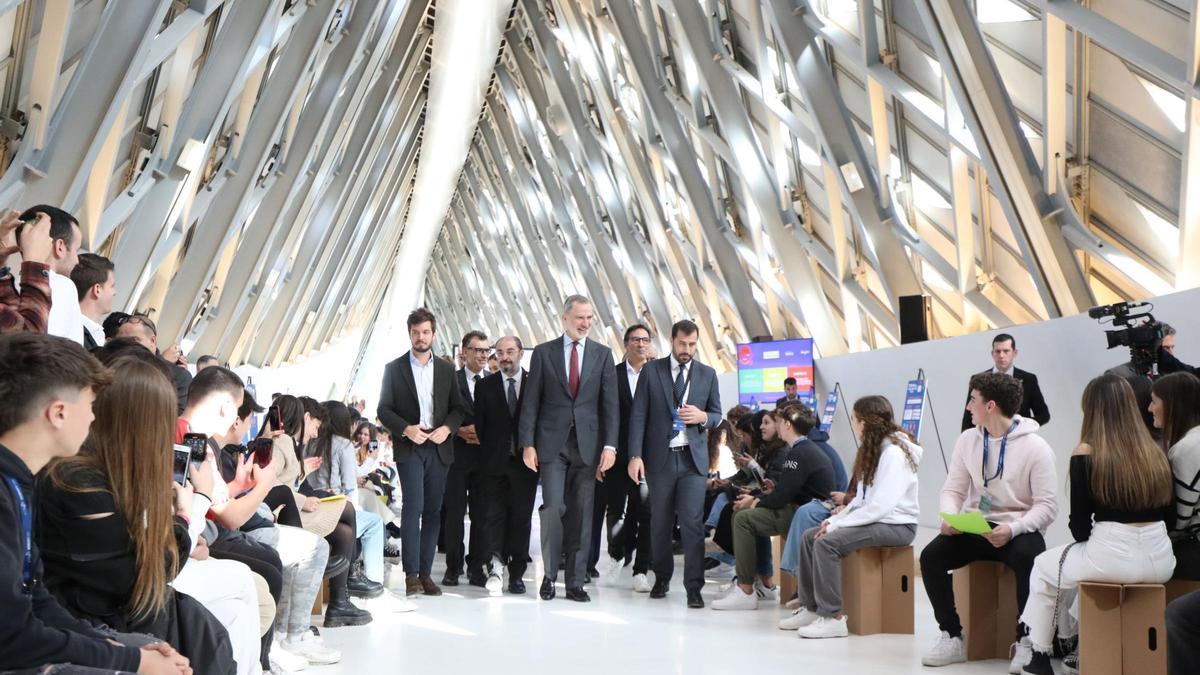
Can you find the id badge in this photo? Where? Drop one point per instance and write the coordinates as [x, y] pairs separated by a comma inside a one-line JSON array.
[[985, 503], [677, 424]]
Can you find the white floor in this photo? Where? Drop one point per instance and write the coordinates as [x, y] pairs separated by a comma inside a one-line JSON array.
[[465, 631]]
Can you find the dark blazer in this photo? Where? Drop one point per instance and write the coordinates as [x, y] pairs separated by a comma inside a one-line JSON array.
[[497, 429], [550, 413], [1033, 405], [784, 399], [465, 452], [398, 405], [650, 419]]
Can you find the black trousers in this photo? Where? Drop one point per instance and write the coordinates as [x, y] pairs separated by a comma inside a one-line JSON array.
[[628, 518], [677, 494], [599, 505], [947, 553], [464, 494], [263, 561], [1187, 558], [508, 495], [1183, 635]]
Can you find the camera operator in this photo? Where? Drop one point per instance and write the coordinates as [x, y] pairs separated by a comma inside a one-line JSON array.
[[1128, 369]]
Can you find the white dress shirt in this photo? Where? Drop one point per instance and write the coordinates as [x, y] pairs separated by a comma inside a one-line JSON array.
[[423, 377], [633, 377], [94, 328], [517, 379], [681, 437], [65, 319], [471, 380], [567, 355], [1010, 372]]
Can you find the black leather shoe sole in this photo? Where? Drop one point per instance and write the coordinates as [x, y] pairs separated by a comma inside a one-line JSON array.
[[341, 620], [694, 600], [578, 595], [547, 591], [658, 592]]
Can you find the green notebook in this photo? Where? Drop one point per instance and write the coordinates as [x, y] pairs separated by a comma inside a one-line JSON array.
[[971, 522]]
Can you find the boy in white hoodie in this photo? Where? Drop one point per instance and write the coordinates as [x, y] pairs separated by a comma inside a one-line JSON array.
[[1003, 469]]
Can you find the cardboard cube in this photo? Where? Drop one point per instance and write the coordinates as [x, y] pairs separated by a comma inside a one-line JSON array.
[[1122, 629], [321, 599], [985, 594], [877, 590], [787, 582]]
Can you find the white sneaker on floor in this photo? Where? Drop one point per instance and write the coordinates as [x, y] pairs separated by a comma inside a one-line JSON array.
[[495, 582], [400, 603], [946, 650], [611, 568], [794, 603], [722, 571], [799, 619], [766, 594], [308, 646], [1022, 652], [641, 583], [736, 599], [285, 661], [825, 627]]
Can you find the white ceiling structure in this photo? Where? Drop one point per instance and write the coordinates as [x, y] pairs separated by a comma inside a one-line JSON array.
[[272, 177]]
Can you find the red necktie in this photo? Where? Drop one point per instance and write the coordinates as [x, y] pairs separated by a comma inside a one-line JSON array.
[[573, 374]]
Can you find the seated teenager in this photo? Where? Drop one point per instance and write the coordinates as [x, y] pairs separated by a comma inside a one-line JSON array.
[[337, 475], [1120, 495], [883, 513], [1175, 406], [1003, 469], [374, 480], [114, 526], [47, 386], [806, 475]]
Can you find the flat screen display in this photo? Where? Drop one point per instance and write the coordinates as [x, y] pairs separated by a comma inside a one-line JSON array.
[[763, 366]]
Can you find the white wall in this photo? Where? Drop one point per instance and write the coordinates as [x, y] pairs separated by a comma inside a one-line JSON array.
[[1063, 353]]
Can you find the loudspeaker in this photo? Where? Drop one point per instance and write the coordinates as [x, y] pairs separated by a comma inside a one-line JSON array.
[[914, 318]]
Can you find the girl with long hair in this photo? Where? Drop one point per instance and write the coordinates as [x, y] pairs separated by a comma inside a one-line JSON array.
[[115, 526], [1120, 496], [883, 513], [1175, 407]]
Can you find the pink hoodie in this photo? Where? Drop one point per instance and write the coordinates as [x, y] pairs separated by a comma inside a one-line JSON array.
[[1025, 497]]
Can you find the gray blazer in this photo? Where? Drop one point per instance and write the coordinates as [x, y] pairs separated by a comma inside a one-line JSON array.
[[650, 419], [548, 413]]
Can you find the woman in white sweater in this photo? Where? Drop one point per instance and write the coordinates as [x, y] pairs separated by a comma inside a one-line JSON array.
[[1175, 405], [883, 512]]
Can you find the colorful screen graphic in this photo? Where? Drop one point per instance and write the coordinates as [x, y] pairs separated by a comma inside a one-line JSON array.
[[762, 367]]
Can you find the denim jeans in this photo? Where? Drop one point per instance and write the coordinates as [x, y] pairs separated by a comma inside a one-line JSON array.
[[714, 513], [370, 532], [807, 517]]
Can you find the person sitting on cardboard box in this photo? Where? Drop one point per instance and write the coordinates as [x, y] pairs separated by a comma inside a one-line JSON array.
[[883, 512], [1003, 469]]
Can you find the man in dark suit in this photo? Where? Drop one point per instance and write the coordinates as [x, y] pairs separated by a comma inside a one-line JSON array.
[[509, 487], [677, 401], [422, 408], [789, 393], [1033, 405], [464, 484], [627, 505], [568, 430]]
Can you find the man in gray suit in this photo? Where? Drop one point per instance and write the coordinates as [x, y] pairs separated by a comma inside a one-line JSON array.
[[676, 402], [568, 430]]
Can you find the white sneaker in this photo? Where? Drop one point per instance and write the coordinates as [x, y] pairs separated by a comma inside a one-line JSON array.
[[307, 645], [722, 571], [285, 661], [1022, 652], [641, 583], [825, 627], [799, 619], [794, 603], [495, 582], [611, 568], [400, 603], [766, 594], [945, 651], [736, 599]]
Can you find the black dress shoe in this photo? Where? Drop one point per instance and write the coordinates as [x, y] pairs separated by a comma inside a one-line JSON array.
[[578, 594], [694, 600], [336, 565], [477, 578], [547, 591], [660, 589], [362, 587], [516, 587], [450, 579], [593, 573], [344, 613]]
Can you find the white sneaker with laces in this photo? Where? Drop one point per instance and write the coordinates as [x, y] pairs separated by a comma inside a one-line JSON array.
[[722, 571], [1022, 652], [825, 627], [766, 594], [799, 619], [308, 646], [495, 582], [946, 650], [736, 599], [285, 661], [611, 568], [641, 583]]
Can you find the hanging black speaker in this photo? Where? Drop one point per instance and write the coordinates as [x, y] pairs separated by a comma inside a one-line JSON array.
[[914, 318]]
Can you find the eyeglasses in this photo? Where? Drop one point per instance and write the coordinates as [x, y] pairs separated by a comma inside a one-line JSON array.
[[640, 340], [477, 350]]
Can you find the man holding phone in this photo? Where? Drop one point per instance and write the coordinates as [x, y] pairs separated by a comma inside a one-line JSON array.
[[677, 401]]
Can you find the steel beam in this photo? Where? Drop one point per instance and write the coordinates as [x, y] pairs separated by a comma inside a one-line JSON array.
[[1187, 265]]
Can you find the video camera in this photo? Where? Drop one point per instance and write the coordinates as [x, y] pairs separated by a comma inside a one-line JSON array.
[[1141, 333]]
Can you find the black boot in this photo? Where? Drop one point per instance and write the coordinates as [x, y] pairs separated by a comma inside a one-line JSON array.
[[393, 530], [360, 586], [341, 612], [1039, 664], [336, 565]]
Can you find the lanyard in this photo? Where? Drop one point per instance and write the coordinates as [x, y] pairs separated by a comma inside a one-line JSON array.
[[1000, 461], [26, 534], [687, 382]]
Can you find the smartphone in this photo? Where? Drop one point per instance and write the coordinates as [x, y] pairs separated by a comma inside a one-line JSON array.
[[275, 418], [260, 450], [181, 464], [373, 447], [197, 444]]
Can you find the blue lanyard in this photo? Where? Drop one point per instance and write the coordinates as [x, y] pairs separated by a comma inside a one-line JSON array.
[[1000, 461], [26, 534]]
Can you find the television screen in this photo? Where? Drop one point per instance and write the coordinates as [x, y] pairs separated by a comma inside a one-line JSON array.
[[763, 366]]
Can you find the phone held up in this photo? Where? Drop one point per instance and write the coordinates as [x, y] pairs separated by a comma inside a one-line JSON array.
[[259, 451]]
